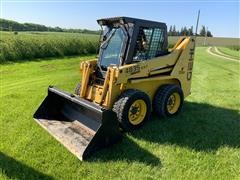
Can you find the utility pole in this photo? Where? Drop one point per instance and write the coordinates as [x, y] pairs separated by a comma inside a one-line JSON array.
[[197, 23]]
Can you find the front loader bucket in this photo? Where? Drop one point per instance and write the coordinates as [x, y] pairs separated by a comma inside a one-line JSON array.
[[81, 126]]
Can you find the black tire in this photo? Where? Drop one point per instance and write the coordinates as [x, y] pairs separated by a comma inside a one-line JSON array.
[[161, 99], [122, 107], [77, 89]]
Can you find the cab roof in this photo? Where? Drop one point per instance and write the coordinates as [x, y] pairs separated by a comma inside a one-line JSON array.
[[125, 20]]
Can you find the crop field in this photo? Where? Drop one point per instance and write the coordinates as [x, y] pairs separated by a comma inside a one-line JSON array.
[[202, 142], [211, 41], [29, 45], [32, 45]]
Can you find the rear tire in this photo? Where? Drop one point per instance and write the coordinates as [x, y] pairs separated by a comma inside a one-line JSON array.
[[77, 89], [168, 100], [133, 108]]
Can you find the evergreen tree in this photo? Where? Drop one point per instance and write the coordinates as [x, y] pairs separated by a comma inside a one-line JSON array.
[[174, 32], [202, 31], [190, 31], [170, 31], [209, 34], [185, 31], [181, 32]]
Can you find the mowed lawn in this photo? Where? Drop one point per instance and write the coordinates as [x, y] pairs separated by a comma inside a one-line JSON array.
[[202, 142], [230, 52]]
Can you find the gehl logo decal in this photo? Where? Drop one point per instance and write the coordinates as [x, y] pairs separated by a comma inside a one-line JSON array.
[[190, 64]]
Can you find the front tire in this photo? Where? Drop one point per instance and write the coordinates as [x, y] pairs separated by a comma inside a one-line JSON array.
[[168, 100], [133, 108]]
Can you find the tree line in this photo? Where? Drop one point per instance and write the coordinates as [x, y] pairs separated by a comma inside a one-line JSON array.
[[184, 31], [9, 25]]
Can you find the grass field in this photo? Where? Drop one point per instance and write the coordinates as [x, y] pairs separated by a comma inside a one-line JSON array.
[[202, 142], [230, 52]]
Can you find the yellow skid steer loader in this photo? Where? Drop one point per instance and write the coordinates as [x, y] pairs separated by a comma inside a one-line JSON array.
[[134, 75]]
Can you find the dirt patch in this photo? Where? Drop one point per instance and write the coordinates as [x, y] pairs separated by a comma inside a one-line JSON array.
[[48, 66], [8, 71]]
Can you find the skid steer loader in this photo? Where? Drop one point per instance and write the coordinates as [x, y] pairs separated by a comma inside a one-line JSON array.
[[134, 75]]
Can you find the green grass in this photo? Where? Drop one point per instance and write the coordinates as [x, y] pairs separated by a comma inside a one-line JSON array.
[[202, 142], [230, 52]]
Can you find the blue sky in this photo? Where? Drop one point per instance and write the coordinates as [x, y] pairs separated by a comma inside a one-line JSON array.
[[220, 16]]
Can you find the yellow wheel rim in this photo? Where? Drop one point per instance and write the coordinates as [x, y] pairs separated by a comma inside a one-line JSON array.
[[173, 103], [137, 112]]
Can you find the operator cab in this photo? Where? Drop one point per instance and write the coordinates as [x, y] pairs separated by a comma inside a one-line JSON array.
[[126, 40]]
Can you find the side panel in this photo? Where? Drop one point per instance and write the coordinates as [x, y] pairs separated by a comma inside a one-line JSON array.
[[151, 85], [184, 66], [144, 69]]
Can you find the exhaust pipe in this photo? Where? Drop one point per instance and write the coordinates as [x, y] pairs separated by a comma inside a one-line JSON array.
[[81, 126]]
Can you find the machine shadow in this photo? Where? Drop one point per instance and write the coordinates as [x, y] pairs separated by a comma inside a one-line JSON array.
[[14, 169], [128, 151], [201, 127]]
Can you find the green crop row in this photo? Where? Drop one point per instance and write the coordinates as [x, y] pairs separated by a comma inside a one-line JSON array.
[[235, 48], [23, 46]]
